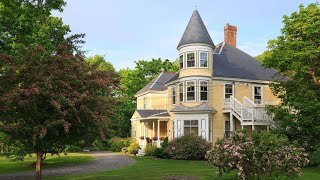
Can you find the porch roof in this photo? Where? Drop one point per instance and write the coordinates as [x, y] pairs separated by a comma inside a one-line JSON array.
[[204, 107], [146, 113]]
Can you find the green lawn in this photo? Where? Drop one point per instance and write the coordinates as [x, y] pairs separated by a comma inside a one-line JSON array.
[[7, 166], [148, 168]]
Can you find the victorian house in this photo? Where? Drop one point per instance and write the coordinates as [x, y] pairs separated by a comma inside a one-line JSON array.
[[218, 89]]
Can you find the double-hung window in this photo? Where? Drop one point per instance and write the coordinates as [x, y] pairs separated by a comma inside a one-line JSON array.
[[203, 90], [191, 59], [181, 92], [257, 96], [191, 91], [203, 57], [191, 127], [227, 128], [173, 95], [228, 91], [181, 61]]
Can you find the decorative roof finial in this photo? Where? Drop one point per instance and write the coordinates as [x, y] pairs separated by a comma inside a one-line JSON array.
[[195, 5]]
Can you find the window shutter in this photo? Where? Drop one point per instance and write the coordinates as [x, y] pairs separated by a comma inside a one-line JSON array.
[[178, 124], [203, 131]]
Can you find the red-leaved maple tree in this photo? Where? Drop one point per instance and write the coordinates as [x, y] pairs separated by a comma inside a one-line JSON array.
[[50, 101]]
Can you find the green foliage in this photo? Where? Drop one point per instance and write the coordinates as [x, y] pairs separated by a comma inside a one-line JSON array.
[[133, 146], [188, 147], [73, 148], [99, 63], [117, 143], [162, 151], [314, 157], [25, 24], [296, 53], [150, 149], [263, 56], [49, 101], [262, 156]]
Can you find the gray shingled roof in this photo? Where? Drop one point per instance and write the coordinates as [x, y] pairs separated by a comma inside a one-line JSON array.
[[201, 107], [144, 113], [234, 63], [196, 32], [175, 77], [157, 83]]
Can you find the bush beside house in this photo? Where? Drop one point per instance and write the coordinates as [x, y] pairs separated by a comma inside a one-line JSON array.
[[188, 147], [116, 143], [262, 155]]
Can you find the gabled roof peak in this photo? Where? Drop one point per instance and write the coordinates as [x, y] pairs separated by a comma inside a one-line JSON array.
[[195, 32]]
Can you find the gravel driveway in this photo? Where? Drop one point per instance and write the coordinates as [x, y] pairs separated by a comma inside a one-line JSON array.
[[104, 161]]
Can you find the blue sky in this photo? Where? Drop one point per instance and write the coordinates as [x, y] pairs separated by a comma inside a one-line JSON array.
[[128, 30]]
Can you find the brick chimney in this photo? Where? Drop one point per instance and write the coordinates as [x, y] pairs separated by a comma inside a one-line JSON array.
[[230, 34]]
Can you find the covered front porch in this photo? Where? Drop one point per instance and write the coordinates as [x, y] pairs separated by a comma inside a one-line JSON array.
[[150, 126], [153, 131]]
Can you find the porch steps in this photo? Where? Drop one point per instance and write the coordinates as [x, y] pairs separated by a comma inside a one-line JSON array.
[[141, 151]]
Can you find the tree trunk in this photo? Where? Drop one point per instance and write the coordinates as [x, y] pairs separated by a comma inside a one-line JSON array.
[[38, 165]]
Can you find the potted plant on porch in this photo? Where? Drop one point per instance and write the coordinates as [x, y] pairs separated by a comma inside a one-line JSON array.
[[141, 137], [155, 138]]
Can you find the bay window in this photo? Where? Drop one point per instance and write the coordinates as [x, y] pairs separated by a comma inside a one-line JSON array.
[[191, 59], [203, 91], [203, 57], [191, 91], [191, 127]]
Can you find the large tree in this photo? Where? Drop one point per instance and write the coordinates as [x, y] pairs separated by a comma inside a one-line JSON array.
[[48, 102], [49, 96], [99, 63], [296, 53]]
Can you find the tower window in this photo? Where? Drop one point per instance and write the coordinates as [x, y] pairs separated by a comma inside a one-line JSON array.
[[191, 59], [204, 90], [191, 91], [181, 61], [181, 91], [203, 59]]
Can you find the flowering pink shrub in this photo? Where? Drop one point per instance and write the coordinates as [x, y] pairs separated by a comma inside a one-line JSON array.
[[262, 155]]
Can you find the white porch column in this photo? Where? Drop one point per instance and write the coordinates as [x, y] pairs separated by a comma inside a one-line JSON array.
[[144, 130], [231, 123], [152, 129], [158, 130], [268, 127], [253, 128]]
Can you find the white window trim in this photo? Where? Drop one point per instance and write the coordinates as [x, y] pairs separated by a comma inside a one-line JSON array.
[[183, 65], [183, 98], [253, 86], [224, 89], [195, 59], [195, 91], [199, 92], [175, 89], [199, 59]]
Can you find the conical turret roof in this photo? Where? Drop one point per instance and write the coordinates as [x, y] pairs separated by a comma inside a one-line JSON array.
[[196, 32]]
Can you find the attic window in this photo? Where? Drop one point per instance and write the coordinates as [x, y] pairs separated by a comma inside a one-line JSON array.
[[181, 61], [203, 59], [191, 59]]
